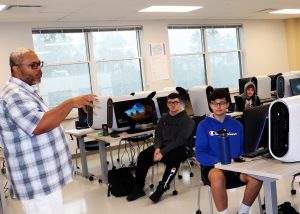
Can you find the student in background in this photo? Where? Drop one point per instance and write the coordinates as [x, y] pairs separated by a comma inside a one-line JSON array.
[[171, 144], [248, 99], [35, 147], [207, 153]]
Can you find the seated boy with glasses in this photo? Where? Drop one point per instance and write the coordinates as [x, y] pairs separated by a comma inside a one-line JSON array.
[[172, 138], [207, 153]]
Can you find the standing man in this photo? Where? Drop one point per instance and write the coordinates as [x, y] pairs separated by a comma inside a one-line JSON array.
[[171, 144], [35, 148], [207, 153]]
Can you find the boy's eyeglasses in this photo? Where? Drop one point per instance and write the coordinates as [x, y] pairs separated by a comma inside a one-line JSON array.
[[221, 104], [173, 103]]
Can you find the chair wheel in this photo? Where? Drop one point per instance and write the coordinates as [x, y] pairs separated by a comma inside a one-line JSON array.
[[191, 174], [175, 192], [151, 186], [107, 162], [91, 178], [198, 212], [118, 159], [293, 192], [100, 181], [179, 176]]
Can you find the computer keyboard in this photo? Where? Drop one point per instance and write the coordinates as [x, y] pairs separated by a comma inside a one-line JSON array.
[[258, 152], [134, 131]]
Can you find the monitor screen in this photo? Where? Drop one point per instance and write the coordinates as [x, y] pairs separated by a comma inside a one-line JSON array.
[[256, 133], [295, 86], [185, 104], [129, 113]]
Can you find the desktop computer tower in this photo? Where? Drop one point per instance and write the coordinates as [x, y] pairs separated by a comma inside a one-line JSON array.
[[284, 134], [283, 88]]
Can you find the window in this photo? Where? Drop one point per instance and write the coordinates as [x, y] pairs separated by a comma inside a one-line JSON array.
[[206, 55], [118, 62], [79, 61], [66, 73]]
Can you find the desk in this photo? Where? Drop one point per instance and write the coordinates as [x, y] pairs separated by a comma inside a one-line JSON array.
[[3, 207], [102, 150], [235, 114], [80, 134], [267, 170]]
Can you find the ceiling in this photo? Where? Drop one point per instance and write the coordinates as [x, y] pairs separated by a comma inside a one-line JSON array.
[[126, 10]]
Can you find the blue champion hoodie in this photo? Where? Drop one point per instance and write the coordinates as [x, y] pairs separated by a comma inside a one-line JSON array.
[[207, 149]]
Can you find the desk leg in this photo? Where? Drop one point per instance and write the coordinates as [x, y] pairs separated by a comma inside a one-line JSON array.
[[84, 166], [270, 196], [103, 162], [3, 207]]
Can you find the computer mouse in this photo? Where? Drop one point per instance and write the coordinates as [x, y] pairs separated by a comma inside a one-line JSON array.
[[239, 159], [114, 135]]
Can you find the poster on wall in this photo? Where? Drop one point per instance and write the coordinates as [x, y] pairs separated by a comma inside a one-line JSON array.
[[159, 65]]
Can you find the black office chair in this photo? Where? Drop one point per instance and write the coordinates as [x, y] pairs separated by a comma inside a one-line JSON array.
[[135, 145], [89, 146], [293, 190], [191, 160], [229, 185]]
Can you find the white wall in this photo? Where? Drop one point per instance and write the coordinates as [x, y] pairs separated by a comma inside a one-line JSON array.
[[265, 47], [264, 42], [13, 35]]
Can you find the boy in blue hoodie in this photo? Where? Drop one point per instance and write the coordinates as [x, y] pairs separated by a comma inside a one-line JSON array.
[[207, 153]]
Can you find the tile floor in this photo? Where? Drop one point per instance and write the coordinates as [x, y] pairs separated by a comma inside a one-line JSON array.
[[89, 197]]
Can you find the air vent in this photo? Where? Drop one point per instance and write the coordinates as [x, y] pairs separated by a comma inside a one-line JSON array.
[[24, 8]]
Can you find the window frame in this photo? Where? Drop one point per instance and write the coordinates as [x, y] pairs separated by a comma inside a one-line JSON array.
[[91, 61], [206, 54]]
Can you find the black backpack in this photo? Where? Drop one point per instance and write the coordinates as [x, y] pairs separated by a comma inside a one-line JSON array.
[[286, 208], [120, 182]]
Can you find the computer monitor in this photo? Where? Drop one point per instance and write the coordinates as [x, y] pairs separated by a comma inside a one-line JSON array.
[[244, 81], [273, 80], [162, 105], [227, 90], [129, 113], [295, 86], [185, 104], [256, 131]]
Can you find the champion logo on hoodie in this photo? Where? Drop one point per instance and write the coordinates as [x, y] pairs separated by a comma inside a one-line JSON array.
[[214, 133]]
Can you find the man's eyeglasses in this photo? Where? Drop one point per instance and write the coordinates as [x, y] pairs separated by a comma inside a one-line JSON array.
[[173, 103], [35, 65], [215, 104]]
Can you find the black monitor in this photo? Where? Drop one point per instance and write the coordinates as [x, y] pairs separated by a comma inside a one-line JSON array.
[[130, 113], [185, 103], [295, 86], [273, 80], [256, 131], [227, 90], [162, 105], [244, 81]]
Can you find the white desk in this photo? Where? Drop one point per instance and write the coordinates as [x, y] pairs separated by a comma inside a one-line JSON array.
[[267, 170], [102, 150], [80, 134]]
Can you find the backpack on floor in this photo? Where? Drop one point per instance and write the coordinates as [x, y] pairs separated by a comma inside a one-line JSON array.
[[286, 208], [120, 182]]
